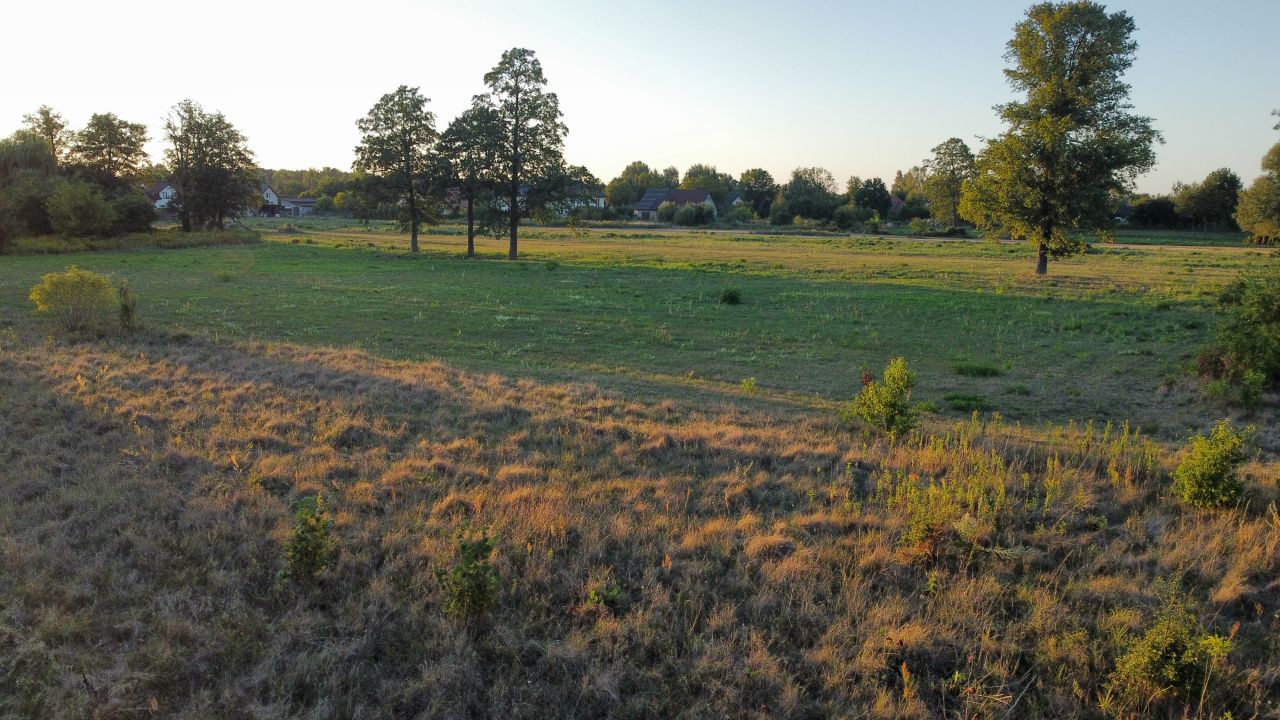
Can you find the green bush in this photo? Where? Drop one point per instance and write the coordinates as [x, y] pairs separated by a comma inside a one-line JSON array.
[[131, 212], [312, 548], [76, 299], [976, 370], [77, 209], [667, 211], [1171, 663], [731, 296], [1248, 337], [26, 202], [886, 406], [1207, 476], [686, 215], [967, 402], [471, 586], [128, 306]]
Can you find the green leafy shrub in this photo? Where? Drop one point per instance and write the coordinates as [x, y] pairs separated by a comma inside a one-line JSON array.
[[470, 587], [312, 548], [667, 211], [749, 386], [886, 406], [918, 226], [1174, 660], [128, 306], [1207, 476], [131, 212], [967, 402], [693, 214], [1248, 337], [76, 299], [731, 296], [77, 209], [975, 370]]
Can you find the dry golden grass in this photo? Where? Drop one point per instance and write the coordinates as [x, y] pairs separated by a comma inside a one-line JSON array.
[[657, 559]]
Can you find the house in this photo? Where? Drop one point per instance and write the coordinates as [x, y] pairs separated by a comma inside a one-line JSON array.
[[297, 207], [734, 199], [161, 194], [647, 207]]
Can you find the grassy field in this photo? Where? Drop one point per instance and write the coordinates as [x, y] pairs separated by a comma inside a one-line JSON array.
[[1104, 338], [667, 542]]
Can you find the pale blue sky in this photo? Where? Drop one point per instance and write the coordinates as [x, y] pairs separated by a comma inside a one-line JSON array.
[[857, 87]]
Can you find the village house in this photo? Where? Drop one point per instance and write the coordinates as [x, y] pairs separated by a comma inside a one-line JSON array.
[[161, 194], [647, 207]]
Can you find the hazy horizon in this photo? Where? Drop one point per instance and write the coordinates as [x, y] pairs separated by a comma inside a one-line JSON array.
[[735, 85]]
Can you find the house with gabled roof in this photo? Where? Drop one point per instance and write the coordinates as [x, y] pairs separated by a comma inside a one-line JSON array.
[[646, 208], [161, 194]]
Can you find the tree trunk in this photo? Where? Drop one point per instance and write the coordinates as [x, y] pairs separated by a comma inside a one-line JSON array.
[[471, 227], [1042, 259], [513, 218], [413, 222]]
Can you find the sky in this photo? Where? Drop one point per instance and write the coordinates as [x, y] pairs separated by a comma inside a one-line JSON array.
[[860, 88]]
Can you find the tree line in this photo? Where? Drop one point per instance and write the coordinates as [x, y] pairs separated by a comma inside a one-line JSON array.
[[1062, 170]]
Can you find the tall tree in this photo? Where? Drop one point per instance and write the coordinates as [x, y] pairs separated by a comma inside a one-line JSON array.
[[952, 164], [111, 148], [632, 182], [706, 177], [1210, 202], [1259, 210], [910, 186], [50, 127], [530, 140], [1072, 143], [873, 195], [811, 193], [397, 139], [212, 166], [469, 154], [758, 189]]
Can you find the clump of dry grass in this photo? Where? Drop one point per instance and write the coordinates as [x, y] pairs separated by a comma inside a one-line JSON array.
[[655, 560]]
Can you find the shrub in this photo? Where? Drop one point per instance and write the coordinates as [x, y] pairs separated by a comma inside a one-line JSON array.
[[780, 216], [1249, 334], [131, 212], [76, 299], [666, 211], [742, 215], [1174, 659], [311, 548], [976, 370], [749, 386], [686, 215], [470, 587], [77, 209], [918, 226], [967, 402], [128, 306], [731, 296], [1207, 476], [886, 406]]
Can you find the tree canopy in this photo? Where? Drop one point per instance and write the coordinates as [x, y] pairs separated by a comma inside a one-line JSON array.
[[1258, 212], [529, 144], [626, 189], [706, 177], [110, 149], [1210, 202], [397, 137], [811, 193], [50, 127], [211, 165], [1071, 142], [951, 165], [468, 155], [758, 189]]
